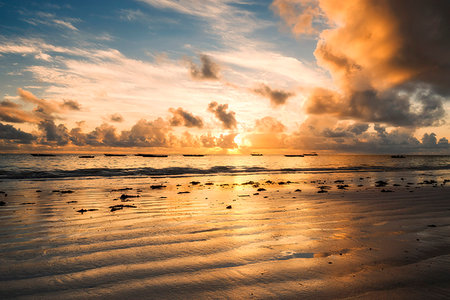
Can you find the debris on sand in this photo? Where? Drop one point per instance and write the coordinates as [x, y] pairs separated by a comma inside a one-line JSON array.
[[324, 187], [209, 183], [63, 191], [339, 181], [248, 183], [123, 189], [342, 186], [322, 191], [125, 196], [38, 191], [82, 211], [298, 190], [428, 182], [195, 182], [261, 189], [229, 207], [432, 225], [380, 183], [185, 192], [27, 203], [157, 186], [73, 201], [2, 203], [120, 206]]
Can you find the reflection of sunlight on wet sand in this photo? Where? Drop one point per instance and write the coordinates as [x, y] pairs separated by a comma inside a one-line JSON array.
[[271, 242]]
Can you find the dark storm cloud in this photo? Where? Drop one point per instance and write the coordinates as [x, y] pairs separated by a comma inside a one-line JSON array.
[[392, 107], [207, 70], [313, 134], [13, 135], [220, 111], [183, 118], [276, 97], [54, 133]]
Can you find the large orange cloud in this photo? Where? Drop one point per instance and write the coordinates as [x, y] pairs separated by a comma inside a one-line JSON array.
[[389, 59]]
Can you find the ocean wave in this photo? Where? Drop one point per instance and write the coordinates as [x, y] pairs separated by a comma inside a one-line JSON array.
[[187, 171]]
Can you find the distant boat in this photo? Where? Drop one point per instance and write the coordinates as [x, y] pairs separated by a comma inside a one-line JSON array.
[[294, 155], [86, 156], [398, 156], [310, 154], [256, 154], [42, 154], [152, 155], [193, 155], [108, 154]]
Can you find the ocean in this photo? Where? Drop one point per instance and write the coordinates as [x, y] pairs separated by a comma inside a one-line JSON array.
[[26, 166]]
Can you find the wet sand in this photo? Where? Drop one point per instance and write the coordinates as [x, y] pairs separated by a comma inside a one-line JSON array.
[[237, 237]]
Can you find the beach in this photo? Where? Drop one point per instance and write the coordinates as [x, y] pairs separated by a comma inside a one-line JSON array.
[[326, 235]]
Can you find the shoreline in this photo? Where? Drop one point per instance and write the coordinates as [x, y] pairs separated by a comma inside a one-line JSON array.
[[277, 242]]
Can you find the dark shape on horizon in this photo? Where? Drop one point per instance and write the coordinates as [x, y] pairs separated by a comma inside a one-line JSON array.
[[294, 155], [256, 154], [42, 154], [108, 154], [310, 154], [193, 155], [86, 156], [398, 156], [152, 155]]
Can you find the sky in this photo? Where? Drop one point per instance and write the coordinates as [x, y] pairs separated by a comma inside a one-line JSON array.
[[225, 76]]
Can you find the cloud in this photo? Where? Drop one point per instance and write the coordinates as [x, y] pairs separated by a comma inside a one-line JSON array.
[[269, 125], [44, 109], [71, 104], [299, 15], [352, 137], [13, 135], [131, 14], [13, 113], [220, 111], [183, 118], [268, 133], [226, 141], [116, 118], [53, 133], [390, 107], [208, 70], [277, 97], [388, 66]]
